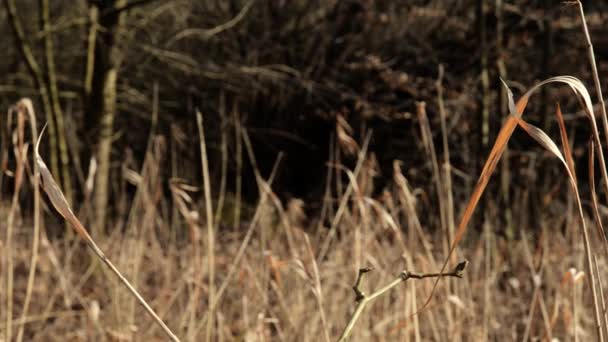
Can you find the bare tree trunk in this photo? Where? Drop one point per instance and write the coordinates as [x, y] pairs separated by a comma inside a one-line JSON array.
[[54, 97], [91, 38], [102, 105], [485, 78], [36, 73]]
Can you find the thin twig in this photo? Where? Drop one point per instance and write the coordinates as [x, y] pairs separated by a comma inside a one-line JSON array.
[[362, 299]]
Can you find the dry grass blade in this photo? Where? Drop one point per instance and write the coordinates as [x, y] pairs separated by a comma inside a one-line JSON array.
[[20, 151], [596, 209], [407, 200], [564, 136], [253, 223], [283, 216], [343, 201], [25, 106], [61, 205], [317, 289], [386, 220], [210, 226], [183, 202], [344, 134], [569, 164], [602, 298], [596, 78], [516, 110]]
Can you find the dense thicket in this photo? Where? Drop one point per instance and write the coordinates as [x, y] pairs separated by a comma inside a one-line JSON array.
[[289, 71]]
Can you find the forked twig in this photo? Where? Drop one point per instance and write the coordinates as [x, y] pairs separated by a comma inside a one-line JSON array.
[[362, 299], [61, 205]]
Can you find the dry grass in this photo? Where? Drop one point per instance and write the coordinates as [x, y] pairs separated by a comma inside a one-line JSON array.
[[287, 277], [276, 296], [273, 285]]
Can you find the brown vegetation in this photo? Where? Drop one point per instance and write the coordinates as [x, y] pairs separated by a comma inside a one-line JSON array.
[[243, 163]]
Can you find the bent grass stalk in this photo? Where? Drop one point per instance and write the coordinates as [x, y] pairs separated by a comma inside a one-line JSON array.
[[20, 156], [60, 204], [25, 106], [513, 120]]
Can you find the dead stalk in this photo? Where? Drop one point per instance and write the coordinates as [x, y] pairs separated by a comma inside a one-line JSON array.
[[210, 228], [26, 105], [20, 156], [58, 201], [596, 78]]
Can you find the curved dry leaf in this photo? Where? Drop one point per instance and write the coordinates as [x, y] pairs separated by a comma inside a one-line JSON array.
[[385, 218], [131, 176], [345, 140], [55, 194], [543, 139]]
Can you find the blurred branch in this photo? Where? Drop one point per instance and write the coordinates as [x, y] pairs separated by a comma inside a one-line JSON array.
[[208, 33], [91, 41], [121, 8], [151, 15], [66, 25], [51, 76], [69, 24], [23, 46]]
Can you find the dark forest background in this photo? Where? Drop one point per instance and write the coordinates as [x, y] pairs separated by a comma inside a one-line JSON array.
[[289, 70]]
